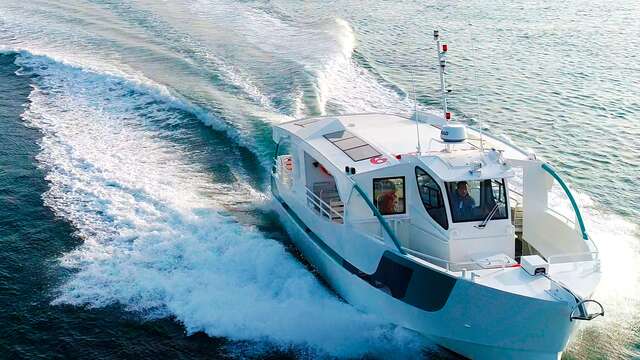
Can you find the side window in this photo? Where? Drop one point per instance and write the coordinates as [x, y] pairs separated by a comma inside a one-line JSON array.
[[388, 195], [431, 196]]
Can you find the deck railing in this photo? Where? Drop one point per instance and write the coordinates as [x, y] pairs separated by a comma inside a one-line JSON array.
[[377, 232], [457, 266], [322, 207]]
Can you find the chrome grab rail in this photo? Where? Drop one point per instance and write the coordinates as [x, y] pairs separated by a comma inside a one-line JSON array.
[[584, 314], [452, 266], [322, 206], [448, 265]]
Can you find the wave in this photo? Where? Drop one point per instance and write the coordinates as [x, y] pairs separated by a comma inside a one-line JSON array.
[[619, 289], [133, 81], [316, 54], [230, 105], [345, 86], [156, 242]]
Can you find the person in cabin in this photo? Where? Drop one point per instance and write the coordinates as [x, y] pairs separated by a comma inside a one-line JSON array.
[[388, 199], [462, 203]]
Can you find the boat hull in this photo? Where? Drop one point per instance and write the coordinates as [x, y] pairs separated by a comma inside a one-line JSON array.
[[475, 321]]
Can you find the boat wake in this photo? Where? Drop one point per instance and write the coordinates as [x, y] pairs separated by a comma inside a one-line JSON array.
[[156, 237]]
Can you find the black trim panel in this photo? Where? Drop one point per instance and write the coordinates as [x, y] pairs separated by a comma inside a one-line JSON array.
[[403, 279]]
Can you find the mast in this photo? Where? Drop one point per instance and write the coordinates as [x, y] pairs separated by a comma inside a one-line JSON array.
[[442, 62], [415, 115]]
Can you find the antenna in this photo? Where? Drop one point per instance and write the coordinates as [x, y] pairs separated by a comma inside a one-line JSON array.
[[442, 61], [475, 74], [415, 114]]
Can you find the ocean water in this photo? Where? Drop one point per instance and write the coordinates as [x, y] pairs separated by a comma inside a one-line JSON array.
[[135, 143]]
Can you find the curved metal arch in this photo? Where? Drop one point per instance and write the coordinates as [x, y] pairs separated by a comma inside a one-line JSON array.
[[546, 167]]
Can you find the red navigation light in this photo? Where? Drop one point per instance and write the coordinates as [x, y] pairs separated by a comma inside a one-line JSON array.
[[445, 47], [398, 156], [447, 115]]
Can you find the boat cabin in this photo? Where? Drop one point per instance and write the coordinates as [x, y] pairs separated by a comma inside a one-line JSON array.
[[441, 192]]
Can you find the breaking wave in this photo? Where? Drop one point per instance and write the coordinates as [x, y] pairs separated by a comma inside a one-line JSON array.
[[157, 242]]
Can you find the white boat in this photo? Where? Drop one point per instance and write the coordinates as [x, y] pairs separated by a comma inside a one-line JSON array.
[[439, 228]]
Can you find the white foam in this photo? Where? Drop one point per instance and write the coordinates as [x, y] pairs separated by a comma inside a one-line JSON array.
[[78, 49], [324, 50], [155, 244]]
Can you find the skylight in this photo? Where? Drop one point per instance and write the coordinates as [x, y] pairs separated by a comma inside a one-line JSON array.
[[352, 145]]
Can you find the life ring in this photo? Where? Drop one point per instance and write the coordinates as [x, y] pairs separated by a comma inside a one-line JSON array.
[[288, 163]]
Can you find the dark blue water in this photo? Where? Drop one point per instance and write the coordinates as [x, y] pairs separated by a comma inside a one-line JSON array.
[[32, 239]]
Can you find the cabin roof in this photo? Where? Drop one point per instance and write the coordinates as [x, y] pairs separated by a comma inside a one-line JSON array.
[[369, 142]]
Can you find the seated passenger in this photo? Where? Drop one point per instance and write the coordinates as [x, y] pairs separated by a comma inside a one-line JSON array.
[[462, 203], [388, 199]]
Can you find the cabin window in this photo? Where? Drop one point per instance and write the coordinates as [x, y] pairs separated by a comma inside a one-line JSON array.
[[474, 200], [388, 195], [431, 196]]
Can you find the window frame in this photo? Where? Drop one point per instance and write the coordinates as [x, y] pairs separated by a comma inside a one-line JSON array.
[[442, 194], [404, 192], [504, 194]]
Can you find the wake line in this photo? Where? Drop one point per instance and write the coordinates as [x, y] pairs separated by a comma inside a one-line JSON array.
[[154, 243], [142, 85]]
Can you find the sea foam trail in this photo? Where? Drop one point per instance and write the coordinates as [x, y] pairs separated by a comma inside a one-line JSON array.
[[322, 48], [226, 107], [156, 245], [619, 290]]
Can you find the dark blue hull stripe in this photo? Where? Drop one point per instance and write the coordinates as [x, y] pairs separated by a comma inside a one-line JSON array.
[[397, 276]]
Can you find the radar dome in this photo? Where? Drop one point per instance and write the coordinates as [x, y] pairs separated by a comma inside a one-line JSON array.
[[453, 133]]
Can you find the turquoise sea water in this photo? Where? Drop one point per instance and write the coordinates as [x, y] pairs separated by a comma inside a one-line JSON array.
[[135, 139]]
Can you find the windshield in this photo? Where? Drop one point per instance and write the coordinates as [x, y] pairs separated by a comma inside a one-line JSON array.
[[473, 200]]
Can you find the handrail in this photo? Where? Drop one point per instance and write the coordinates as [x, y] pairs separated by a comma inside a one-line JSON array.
[[319, 202], [382, 221], [430, 258], [546, 167], [584, 315], [453, 266]]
